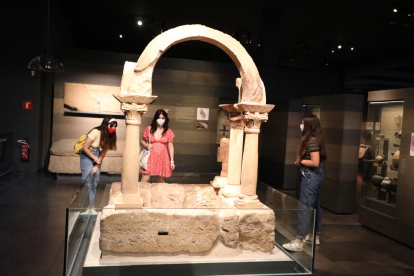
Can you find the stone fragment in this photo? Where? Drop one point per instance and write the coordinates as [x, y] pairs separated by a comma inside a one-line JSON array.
[[165, 195], [229, 228], [91, 98], [158, 231], [257, 229]]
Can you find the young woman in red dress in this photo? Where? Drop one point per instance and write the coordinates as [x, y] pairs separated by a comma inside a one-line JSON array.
[[159, 163]]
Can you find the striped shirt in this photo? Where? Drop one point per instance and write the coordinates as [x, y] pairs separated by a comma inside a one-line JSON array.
[[312, 146]]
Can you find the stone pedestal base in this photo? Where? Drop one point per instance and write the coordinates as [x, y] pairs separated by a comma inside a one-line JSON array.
[[231, 191], [128, 201], [219, 182], [247, 202]]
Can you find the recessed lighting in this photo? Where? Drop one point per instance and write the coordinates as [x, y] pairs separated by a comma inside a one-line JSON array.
[[333, 51], [352, 48], [339, 46], [139, 22], [120, 36], [395, 10]]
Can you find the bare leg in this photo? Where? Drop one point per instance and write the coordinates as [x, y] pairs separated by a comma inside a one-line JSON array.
[[161, 179], [146, 178]]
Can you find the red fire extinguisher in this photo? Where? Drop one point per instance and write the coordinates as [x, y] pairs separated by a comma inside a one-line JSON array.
[[24, 149]]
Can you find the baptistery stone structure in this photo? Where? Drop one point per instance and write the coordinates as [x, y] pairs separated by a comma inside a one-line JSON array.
[[228, 214]]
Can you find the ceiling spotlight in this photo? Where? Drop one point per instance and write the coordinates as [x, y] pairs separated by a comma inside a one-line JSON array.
[[395, 10], [139, 22], [120, 36], [333, 51], [339, 46], [352, 48], [258, 44]]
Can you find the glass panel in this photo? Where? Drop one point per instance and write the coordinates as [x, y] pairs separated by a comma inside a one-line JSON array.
[[171, 228], [379, 154]]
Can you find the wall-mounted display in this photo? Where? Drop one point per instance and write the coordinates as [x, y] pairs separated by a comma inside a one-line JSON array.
[[202, 114], [89, 98]]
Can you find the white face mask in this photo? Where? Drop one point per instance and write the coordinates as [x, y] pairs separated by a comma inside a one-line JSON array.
[[160, 121], [301, 128]]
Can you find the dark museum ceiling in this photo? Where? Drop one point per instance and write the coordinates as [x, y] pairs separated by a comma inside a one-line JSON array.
[[306, 32]]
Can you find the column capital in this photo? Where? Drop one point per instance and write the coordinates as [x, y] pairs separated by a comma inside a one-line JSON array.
[[253, 120], [133, 112], [236, 120]]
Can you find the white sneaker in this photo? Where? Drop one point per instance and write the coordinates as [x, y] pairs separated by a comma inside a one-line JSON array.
[[309, 239], [293, 246], [92, 211], [86, 212]]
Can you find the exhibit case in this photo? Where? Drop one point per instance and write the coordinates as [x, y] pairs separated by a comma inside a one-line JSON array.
[[380, 155], [386, 157], [185, 241]]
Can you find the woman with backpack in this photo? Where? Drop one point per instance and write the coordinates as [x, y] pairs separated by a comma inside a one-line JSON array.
[[98, 141]]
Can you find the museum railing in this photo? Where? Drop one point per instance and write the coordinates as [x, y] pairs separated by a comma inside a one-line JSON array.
[[229, 241]]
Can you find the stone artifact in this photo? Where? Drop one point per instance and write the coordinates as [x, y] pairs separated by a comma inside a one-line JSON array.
[[189, 230], [396, 160], [223, 157], [379, 159], [91, 98], [197, 221]]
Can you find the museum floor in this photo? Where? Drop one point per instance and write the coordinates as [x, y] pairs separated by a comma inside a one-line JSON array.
[[33, 229]]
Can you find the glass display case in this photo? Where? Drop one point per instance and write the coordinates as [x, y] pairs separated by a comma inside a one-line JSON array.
[[380, 156], [84, 256]]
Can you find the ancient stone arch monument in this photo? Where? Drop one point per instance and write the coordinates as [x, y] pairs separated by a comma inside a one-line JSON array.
[[212, 221], [246, 115]]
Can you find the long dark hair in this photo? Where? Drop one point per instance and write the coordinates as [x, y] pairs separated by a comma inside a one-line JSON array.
[[154, 124], [108, 141], [312, 128]]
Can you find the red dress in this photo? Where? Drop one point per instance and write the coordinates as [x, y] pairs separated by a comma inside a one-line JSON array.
[[159, 161]]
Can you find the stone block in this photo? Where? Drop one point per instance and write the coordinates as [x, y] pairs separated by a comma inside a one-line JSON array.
[[229, 228], [165, 195], [158, 231], [257, 229]]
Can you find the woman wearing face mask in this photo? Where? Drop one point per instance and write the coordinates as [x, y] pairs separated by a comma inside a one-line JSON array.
[[100, 139], [159, 163], [311, 154]]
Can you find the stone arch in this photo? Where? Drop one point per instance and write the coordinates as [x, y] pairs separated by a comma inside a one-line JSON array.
[[139, 77]]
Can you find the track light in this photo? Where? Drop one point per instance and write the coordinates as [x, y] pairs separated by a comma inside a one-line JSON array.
[[120, 36], [339, 46], [395, 10], [352, 48]]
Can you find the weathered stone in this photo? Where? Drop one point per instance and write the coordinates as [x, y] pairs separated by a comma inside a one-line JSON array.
[[158, 231], [224, 166], [91, 98], [145, 190], [165, 195], [229, 228], [257, 229], [71, 164]]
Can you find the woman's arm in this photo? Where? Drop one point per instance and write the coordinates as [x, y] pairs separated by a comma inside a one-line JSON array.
[[145, 144], [314, 162], [86, 150], [171, 150], [102, 156]]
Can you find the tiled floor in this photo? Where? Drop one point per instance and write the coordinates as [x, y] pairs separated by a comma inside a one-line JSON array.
[[32, 229]]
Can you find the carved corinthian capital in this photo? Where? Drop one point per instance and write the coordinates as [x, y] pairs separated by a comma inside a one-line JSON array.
[[133, 112], [252, 121], [236, 120]]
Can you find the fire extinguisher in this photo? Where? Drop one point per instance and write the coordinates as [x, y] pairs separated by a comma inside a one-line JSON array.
[[24, 149]]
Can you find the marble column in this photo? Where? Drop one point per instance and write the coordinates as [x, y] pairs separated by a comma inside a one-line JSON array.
[[133, 106], [235, 155], [248, 197]]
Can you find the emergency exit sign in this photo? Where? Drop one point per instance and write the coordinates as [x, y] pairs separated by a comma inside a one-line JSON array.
[[27, 105]]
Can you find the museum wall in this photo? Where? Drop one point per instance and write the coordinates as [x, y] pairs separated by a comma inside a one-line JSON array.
[[24, 42]]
